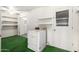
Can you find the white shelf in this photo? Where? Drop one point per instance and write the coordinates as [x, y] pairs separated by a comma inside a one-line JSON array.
[[9, 24], [9, 21], [45, 21], [41, 19], [48, 23], [9, 17]]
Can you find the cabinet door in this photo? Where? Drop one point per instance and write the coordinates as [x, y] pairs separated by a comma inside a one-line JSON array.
[[33, 40], [42, 40], [63, 34]]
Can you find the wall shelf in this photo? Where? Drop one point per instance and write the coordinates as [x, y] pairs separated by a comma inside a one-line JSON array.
[[9, 21], [45, 21], [9, 24], [9, 17], [46, 18]]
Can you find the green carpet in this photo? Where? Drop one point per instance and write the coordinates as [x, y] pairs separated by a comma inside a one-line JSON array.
[[53, 49], [19, 44], [14, 44]]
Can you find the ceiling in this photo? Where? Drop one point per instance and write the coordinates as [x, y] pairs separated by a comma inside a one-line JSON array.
[[25, 8]]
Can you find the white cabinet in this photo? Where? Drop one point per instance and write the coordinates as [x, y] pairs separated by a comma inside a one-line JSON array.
[[37, 40]]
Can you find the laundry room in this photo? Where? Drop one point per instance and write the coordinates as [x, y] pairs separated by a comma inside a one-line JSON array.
[[39, 28]]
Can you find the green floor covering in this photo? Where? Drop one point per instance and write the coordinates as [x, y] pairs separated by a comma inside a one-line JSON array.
[[53, 49], [19, 44], [14, 44]]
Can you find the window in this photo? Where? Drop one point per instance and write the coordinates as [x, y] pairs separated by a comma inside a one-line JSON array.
[[62, 18]]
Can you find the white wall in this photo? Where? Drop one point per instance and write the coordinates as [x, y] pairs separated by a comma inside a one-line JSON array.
[[36, 14], [23, 23]]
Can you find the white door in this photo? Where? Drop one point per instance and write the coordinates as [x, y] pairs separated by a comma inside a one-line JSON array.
[[22, 26], [63, 32]]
